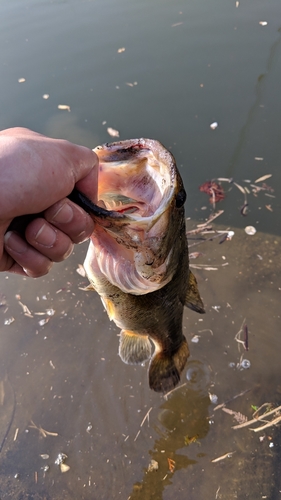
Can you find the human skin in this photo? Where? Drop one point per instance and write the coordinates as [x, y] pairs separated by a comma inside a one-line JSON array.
[[37, 173]]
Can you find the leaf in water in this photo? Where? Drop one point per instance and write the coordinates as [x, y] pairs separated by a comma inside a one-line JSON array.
[[263, 178], [240, 187], [239, 417]]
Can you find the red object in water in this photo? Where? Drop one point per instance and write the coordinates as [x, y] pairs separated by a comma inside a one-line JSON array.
[[214, 190]]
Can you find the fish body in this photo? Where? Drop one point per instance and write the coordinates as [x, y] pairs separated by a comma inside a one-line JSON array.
[[138, 261]]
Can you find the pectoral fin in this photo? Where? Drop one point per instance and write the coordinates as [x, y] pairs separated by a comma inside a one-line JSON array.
[[89, 288], [193, 299], [133, 348]]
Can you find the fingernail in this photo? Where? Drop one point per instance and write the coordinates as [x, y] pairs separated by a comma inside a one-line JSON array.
[[64, 214], [15, 243], [46, 236]]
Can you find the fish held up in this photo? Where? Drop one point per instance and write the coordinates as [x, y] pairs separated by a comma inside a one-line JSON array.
[[137, 260]]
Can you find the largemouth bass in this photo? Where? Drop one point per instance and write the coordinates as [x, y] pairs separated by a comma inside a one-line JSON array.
[[137, 260]]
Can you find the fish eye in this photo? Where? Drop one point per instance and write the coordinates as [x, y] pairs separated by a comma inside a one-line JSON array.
[[180, 198]]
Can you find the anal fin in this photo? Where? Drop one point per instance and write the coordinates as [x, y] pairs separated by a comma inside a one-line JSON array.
[[134, 348], [193, 299], [165, 370]]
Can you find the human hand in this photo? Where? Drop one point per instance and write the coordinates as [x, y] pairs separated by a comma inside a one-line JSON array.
[[37, 173]]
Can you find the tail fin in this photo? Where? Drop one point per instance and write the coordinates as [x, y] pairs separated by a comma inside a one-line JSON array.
[[134, 348], [165, 369], [193, 299]]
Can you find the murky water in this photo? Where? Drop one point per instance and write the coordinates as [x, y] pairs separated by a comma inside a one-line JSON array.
[[185, 65]]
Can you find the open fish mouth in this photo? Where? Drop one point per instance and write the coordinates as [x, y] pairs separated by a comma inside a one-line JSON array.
[[137, 188], [136, 179]]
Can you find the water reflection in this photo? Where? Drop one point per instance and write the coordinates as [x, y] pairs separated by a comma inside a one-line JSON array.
[[184, 423]]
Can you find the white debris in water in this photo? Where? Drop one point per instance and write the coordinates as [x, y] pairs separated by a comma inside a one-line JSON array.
[[245, 364], [153, 465], [9, 321], [122, 49], [214, 125], [21, 80], [43, 322], [64, 107], [112, 132], [195, 339], [213, 398], [263, 23], [50, 312], [230, 235], [251, 230], [64, 467], [45, 96]]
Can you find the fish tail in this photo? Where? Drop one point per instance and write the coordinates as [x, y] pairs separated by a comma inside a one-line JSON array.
[[193, 299], [165, 369], [134, 348]]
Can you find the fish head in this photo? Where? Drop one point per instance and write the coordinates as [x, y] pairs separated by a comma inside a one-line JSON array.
[[140, 230]]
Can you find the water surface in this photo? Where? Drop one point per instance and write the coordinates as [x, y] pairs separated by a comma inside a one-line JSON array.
[[185, 65]]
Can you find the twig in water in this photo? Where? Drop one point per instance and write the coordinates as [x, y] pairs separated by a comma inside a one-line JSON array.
[[260, 418], [227, 455], [42, 431], [142, 422], [232, 399]]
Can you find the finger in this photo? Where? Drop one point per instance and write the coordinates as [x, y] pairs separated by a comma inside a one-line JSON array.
[[71, 219], [32, 262], [89, 185], [48, 240]]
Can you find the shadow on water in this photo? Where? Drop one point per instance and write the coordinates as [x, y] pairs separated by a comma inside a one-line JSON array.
[[60, 372]]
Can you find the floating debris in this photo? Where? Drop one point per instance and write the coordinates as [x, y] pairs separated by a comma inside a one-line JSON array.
[[214, 125], [42, 431], [239, 417], [171, 464], [9, 321], [80, 270], [64, 107], [45, 456], [263, 178], [250, 230], [214, 190], [152, 466], [222, 457], [64, 467], [263, 23], [61, 458], [213, 398], [89, 428], [45, 96], [43, 322], [276, 419], [195, 339], [122, 49], [245, 364], [112, 132], [21, 80]]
